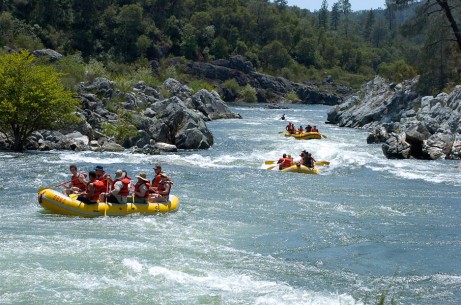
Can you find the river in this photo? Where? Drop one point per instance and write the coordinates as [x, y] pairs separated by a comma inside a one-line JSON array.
[[364, 227]]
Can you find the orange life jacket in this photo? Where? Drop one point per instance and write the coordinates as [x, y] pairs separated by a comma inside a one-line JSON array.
[[162, 188], [286, 162], [125, 190], [76, 182], [156, 180], [99, 187], [138, 185]]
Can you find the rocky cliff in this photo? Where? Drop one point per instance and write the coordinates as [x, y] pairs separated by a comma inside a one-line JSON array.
[[407, 125]]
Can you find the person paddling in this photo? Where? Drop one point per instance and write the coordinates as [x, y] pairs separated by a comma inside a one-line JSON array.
[[141, 189], [157, 178], [77, 183], [94, 189], [284, 162], [163, 191], [120, 188]]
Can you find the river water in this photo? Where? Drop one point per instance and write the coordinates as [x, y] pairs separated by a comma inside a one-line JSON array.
[[364, 227]]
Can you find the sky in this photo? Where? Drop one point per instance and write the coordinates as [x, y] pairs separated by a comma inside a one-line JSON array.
[[356, 5]]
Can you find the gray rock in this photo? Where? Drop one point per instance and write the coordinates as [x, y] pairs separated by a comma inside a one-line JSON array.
[[396, 148], [112, 147], [165, 147], [52, 54], [211, 105], [177, 89]]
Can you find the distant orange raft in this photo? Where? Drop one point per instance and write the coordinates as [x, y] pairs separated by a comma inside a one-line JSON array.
[[61, 204]]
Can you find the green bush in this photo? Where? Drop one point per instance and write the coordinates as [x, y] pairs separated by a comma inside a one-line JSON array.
[[292, 97], [198, 85], [232, 86], [124, 84], [95, 69], [396, 71], [248, 94], [73, 69], [121, 130]]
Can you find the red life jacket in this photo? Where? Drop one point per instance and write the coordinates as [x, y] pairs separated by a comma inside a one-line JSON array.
[[125, 190], [76, 182], [126, 187], [99, 187], [138, 185], [286, 162], [156, 180], [162, 188]]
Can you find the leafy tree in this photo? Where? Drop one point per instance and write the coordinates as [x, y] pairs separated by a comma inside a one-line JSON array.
[[32, 98], [306, 53], [189, 43], [274, 55], [444, 7], [129, 28]]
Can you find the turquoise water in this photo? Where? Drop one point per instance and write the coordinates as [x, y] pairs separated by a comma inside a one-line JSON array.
[[243, 235]]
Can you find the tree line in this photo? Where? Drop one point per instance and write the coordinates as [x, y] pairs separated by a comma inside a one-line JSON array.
[[399, 41]]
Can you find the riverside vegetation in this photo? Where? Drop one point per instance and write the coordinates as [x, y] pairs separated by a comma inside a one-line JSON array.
[[135, 48]]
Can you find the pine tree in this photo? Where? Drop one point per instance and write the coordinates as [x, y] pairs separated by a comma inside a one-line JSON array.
[[323, 15]]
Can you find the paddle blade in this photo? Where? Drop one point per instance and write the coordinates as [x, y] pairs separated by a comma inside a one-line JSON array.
[[322, 163], [269, 162], [324, 136], [271, 167]]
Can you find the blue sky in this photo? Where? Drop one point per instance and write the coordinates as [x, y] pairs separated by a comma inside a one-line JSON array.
[[356, 5]]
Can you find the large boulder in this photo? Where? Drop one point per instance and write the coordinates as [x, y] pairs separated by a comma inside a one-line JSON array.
[[183, 127], [396, 147], [211, 105]]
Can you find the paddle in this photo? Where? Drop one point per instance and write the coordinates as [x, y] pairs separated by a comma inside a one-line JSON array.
[[323, 136], [53, 187], [105, 206]]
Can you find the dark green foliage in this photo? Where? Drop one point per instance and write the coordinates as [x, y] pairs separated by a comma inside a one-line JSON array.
[[276, 38]]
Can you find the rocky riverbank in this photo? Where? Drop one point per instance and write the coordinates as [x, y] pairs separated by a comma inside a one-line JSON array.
[[406, 124], [164, 118]]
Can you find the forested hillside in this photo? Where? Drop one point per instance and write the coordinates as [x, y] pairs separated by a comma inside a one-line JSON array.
[[297, 44]]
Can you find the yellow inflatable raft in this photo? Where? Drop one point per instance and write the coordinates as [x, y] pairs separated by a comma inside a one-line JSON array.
[[301, 169], [61, 204], [305, 135], [272, 165]]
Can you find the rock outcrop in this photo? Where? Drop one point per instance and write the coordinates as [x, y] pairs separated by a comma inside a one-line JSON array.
[[161, 124], [268, 88], [408, 125]]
